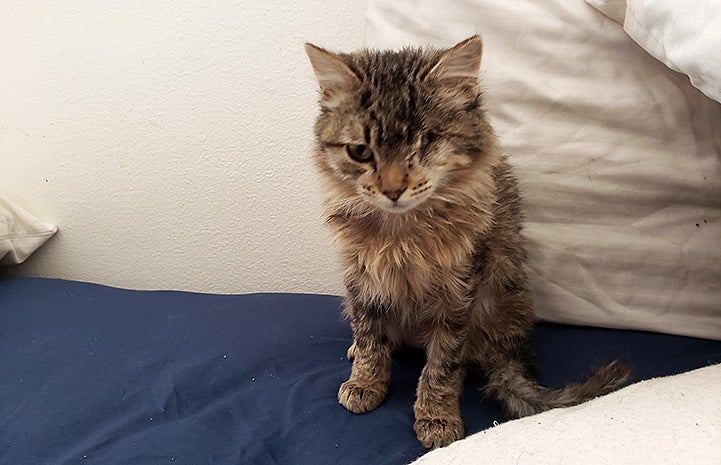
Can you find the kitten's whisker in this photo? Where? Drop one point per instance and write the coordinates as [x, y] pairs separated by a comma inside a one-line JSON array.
[[451, 200]]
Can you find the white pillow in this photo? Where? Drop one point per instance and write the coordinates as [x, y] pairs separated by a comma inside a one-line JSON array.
[[20, 233], [619, 158], [686, 36]]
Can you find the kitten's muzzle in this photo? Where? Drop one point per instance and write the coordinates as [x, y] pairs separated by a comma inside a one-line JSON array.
[[394, 195]]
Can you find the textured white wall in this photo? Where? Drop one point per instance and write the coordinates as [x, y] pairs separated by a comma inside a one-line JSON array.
[[170, 141]]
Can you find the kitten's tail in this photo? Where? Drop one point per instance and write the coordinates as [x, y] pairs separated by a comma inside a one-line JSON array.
[[522, 395]]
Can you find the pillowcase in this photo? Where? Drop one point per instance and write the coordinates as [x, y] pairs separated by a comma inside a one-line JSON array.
[[618, 157], [685, 36], [20, 233]]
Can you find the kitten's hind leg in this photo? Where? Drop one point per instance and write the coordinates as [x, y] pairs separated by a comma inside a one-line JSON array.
[[371, 354]]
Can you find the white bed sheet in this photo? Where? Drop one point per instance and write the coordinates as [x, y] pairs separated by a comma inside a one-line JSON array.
[[672, 420], [619, 158]]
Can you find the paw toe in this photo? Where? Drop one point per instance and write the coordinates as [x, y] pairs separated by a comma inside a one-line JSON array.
[[359, 399], [438, 432]]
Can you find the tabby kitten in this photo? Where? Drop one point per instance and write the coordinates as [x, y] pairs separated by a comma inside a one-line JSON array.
[[426, 212]]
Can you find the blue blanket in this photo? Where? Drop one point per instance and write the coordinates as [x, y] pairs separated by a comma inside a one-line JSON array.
[[98, 375]]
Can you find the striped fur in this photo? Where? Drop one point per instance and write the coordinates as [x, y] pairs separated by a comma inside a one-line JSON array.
[[429, 232]]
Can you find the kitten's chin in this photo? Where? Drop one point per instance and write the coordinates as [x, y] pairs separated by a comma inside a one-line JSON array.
[[398, 207]]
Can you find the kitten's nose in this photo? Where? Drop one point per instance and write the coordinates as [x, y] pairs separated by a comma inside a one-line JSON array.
[[394, 195]]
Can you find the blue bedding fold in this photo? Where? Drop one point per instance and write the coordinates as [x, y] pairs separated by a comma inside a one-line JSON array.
[[98, 375]]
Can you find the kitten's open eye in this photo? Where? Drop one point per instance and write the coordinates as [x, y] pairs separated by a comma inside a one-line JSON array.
[[359, 152]]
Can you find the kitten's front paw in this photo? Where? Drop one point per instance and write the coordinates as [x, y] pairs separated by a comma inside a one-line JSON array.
[[360, 399], [438, 432]]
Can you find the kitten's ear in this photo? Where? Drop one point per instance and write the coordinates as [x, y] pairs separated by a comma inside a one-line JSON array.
[[334, 76], [461, 61]]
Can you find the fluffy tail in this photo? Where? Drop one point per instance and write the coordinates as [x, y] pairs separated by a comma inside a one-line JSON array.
[[522, 395]]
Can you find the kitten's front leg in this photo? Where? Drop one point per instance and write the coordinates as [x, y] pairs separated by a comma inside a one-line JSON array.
[[368, 383], [437, 410]]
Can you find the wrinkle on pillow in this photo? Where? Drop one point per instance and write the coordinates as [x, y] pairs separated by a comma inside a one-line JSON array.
[[20, 232], [685, 36], [619, 159]]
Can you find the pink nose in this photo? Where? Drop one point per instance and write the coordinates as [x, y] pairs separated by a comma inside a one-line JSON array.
[[394, 195]]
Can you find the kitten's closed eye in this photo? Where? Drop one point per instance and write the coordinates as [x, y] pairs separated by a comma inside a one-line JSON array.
[[429, 138], [426, 140], [359, 152]]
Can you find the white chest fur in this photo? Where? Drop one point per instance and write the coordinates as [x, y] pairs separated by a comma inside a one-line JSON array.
[[403, 269]]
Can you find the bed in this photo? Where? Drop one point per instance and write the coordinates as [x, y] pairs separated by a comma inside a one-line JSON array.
[[609, 110], [101, 375]]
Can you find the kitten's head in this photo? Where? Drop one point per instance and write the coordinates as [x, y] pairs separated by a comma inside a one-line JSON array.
[[398, 130]]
